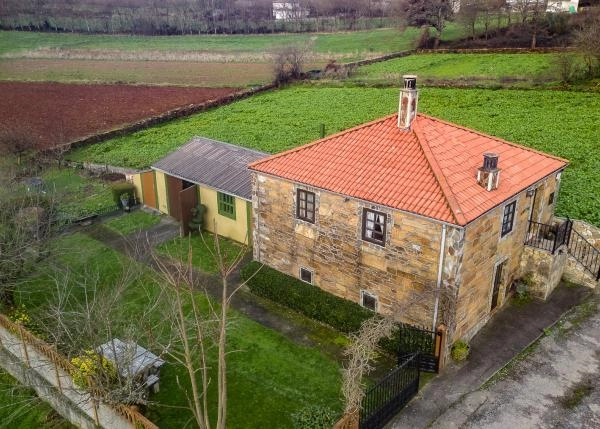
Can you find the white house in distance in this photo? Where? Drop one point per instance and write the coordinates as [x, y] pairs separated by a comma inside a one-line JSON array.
[[289, 11], [562, 6]]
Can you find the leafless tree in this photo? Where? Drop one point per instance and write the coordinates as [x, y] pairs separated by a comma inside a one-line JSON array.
[[198, 330], [17, 142], [288, 63], [587, 40]]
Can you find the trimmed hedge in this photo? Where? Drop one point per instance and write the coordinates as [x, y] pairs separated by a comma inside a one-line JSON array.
[[341, 314]]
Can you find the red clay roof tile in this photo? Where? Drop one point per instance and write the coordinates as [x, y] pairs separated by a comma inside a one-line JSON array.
[[430, 170]]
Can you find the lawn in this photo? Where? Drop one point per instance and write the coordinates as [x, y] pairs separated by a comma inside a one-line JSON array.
[[562, 123], [523, 69], [20, 408], [75, 193], [201, 247], [269, 376], [132, 222]]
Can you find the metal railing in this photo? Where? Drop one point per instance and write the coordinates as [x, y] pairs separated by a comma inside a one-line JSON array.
[[541, 236], [585, 252]]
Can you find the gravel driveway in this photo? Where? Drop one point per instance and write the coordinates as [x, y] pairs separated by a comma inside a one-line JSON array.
[[554, 384]]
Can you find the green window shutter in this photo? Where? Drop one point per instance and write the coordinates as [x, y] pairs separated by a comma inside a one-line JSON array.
[[226, 204]]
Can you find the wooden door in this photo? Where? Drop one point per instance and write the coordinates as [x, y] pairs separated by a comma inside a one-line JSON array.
[[149, 189]]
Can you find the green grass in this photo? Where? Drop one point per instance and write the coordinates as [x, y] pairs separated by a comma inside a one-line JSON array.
[[466, 68], [201, 250], [132, 222], [75, 193], [359, 42], [269, 376], [558, 122], [20, 408]]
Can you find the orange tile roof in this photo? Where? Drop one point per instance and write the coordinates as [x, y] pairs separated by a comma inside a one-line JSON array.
[[430, 170]]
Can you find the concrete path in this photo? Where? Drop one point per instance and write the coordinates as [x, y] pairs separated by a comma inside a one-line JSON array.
[[556, 385], [505, 336]]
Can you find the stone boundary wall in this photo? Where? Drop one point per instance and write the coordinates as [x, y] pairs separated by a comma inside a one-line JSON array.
[[495, 50], [103, 168], [37, 365], [167, 116]]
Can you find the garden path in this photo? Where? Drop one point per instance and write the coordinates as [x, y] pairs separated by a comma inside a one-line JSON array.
[[296, 328]]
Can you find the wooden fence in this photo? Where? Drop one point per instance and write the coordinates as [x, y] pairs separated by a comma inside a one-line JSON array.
[[62, 369]]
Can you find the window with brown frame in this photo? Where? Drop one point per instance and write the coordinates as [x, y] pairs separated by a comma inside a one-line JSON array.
[[508, 218], [305, 205], [374, 226]]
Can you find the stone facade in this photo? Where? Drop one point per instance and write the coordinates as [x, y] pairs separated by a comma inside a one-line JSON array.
[[413, 278], [546, 269]]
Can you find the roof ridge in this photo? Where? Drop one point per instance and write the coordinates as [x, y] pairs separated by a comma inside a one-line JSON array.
[[489, 136], [233, 145], [449, 196], [253, 164]]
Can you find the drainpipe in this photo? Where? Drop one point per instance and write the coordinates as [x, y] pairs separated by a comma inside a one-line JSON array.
[[439, 277]]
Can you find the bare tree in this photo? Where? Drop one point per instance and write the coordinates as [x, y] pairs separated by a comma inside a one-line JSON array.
[[361, 352], [198, 330], [587, 40], [288, 63], [17, 142]]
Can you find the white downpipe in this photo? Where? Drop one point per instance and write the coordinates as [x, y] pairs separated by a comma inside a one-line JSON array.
[[439, 277]]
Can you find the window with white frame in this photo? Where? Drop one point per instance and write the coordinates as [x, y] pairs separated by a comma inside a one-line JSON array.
[[374, 226], [368, 300], [306, 275]]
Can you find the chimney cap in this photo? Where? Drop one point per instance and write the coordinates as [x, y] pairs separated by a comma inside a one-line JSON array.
[[410, 81], [490, 161]]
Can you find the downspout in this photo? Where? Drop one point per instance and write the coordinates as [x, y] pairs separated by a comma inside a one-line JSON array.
[[439, 277]]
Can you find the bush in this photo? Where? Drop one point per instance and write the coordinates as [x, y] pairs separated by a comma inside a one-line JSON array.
[[314, 417], [121, 188], [339, 313], [91, 365], [459, 351]]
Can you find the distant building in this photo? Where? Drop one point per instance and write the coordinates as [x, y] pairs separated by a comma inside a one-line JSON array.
[[289, 11], [563, 6]]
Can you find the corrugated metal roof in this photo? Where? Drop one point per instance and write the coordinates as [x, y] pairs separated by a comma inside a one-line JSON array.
[[220, 165]]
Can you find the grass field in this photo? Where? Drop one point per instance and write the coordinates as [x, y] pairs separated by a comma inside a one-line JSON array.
[[129, 223], [559, 122], [20, 408], [269, 376], [517, 69], [348, 44]]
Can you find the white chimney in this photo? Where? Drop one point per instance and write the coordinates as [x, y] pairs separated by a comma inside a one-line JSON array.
[[409, 97], [488, 175]]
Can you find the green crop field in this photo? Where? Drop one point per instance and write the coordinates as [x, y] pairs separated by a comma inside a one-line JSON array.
[[522, 68], [559, 122]]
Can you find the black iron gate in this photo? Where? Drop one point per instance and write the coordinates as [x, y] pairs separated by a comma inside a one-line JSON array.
[[390, 394], [412, 339]]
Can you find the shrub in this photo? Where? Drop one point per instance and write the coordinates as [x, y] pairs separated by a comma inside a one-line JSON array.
[[459, 351], [314, 417], [339, 313], [91, 365], [121, 188]]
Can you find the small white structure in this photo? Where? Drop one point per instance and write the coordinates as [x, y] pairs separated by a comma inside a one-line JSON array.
[[562, 6], [289, 11], [133, 361]]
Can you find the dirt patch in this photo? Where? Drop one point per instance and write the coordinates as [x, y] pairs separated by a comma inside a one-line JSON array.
[[59, 113]]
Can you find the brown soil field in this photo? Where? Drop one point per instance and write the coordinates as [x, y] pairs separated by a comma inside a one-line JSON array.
[[55, 113], [139, 72]]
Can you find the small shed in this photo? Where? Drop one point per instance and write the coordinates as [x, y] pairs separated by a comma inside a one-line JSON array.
[[208, 172]]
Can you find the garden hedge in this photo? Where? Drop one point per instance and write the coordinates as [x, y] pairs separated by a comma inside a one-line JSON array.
[[341, 314]]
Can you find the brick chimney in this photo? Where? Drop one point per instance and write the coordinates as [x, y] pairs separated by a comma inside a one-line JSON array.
[[409, 97], [488, 175]]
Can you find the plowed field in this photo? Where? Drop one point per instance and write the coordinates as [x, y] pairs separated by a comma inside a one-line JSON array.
[[57, 113]]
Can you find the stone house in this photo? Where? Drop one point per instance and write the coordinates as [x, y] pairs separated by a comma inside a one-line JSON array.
[[407, 215], [207, 172]]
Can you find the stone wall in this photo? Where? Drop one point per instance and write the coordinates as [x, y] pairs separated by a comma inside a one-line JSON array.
[[485, 249], [403, 274], [546, 269]]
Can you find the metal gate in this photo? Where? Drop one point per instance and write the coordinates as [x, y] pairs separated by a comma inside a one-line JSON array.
[[412, 339], [390, 394]]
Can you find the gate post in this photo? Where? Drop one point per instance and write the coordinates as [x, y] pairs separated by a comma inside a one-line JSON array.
[[440, 345]]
